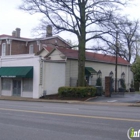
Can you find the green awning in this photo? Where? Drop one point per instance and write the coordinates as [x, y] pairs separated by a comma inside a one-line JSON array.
[[19, 72], [90, 71]]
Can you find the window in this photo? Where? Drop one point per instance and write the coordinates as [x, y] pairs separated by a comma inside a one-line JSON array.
[[31, 49], [6, 84], [27, 84], [3, 49]]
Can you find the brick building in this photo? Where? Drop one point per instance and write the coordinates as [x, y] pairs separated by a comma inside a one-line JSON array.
[[23, 72], [15, 44]]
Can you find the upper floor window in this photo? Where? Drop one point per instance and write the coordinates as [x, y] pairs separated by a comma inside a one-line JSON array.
[[3, 53], [31, 49]]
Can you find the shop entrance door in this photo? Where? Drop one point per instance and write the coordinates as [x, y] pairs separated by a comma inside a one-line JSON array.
[[16, 87]]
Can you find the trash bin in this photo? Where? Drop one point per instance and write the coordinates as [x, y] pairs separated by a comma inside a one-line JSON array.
[[99, 90]]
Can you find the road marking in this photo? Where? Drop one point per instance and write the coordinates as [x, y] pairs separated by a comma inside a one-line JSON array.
[[71, 115], [112, 101]]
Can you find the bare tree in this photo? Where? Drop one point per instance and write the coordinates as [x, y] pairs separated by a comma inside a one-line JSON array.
[[128, 38], [80, 17], [136, 45]]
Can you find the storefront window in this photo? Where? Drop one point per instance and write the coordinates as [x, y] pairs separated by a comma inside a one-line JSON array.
[[6, 84], [27, 84]]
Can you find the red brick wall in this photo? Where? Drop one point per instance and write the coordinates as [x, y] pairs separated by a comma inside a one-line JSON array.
[[35, 46], [19, 47], [107, 86], [52, 42]]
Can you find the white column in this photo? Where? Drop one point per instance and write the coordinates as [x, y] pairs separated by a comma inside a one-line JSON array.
[[0, 86]]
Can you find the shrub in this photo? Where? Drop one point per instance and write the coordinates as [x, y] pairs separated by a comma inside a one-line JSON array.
[[122, 82], [77, 91], [99, 82], [132, 89]]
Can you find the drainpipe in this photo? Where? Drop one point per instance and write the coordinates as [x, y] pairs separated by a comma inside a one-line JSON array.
[[41, 76]]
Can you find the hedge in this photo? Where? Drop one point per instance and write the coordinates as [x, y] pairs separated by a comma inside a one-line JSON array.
[[77, 91]]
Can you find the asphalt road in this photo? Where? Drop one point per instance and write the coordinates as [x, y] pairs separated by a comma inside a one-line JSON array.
[[119, 98], [62, 121]]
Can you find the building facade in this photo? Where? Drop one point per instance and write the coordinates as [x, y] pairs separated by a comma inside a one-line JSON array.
[[14, 44], [19, 75], [97, 62], [30, 76], [25, 73], [35, 67]]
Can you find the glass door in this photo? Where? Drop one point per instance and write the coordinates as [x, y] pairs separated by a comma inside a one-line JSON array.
[[16, 87]]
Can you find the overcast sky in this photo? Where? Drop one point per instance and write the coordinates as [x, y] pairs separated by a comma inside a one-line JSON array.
[[11, 17]]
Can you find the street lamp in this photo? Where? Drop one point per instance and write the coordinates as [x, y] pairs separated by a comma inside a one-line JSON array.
[[99, 73], [111, 74], [123, 75]]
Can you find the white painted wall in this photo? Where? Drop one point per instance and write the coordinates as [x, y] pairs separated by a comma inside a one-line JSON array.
[[44, 53], [57, 55], [24, 60], [7, 92], [72, 70], [54, 76], [107, 68], [27, 94]]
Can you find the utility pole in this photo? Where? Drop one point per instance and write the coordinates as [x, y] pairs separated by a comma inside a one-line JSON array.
[[116, 64]]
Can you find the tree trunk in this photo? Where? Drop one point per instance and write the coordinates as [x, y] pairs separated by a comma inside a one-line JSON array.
[[81, 63], [129, 58], [82, 43]]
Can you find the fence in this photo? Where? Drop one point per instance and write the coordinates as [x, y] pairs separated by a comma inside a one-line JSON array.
[[92, 82]]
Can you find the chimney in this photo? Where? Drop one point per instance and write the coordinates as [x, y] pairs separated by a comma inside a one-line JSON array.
[[14, 33], [49, 31], [17, 32]]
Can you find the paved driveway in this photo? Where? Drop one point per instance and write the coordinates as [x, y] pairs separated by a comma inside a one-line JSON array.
[[126, 98]]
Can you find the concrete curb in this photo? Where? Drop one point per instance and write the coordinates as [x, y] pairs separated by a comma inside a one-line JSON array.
[[69, 101]]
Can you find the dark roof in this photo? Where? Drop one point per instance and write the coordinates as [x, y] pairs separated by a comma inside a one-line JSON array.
[[91, 56], [4, 35]]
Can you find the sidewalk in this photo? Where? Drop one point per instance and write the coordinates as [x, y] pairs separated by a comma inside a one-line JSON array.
[[11, 98]]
